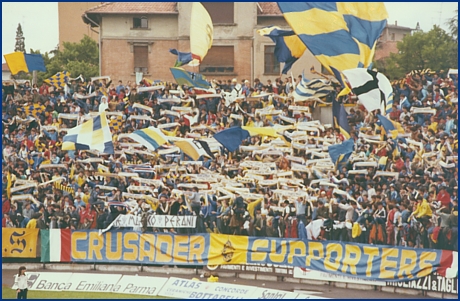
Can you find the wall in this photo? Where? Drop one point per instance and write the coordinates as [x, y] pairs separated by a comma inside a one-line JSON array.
[[71, 26], [117, 57]]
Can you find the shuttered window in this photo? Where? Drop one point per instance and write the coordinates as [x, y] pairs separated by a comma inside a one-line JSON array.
[[141, 58], [220, 12], [271, 64], [220, 59]]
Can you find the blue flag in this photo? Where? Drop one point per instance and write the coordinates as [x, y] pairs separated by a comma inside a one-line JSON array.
[[288, 46], [182, 57], [340, 153], [190, 79], [340, 119], [232, 138]]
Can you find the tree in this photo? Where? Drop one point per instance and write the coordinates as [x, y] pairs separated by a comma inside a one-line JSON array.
[[20, 45], [453, 26], [76, 58], [434, 49]]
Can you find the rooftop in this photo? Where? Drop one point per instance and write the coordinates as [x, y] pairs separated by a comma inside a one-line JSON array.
[[134, 8], [268, 9]]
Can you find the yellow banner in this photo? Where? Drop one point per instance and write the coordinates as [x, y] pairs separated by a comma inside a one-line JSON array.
[[19, 242]]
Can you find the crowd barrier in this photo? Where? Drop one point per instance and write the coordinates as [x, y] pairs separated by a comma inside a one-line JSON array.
[[152, 286], [369, 262]]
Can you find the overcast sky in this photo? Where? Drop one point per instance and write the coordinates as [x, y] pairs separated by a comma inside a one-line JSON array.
[[39, 21]]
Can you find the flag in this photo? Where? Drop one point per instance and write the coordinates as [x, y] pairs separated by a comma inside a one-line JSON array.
[[340, 153], [33, 110], [372, 88], [56, 245], [288, 46], [262, 131], [391, 128], [339, 34], [151, 137], [448, 266], [390, 102], [340, 118], [314, 88], [232, 138], [115, 123], [190, 148], [19, 61], [206, 148], [83, 105], [201, 33], [93, 134], [345, 89], [59, 80], [182, 57], [252, 206], [189, 79], [19, 243]]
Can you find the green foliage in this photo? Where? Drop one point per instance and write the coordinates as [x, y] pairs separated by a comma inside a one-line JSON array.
[[434, 49], [76, 58], [453, 26]]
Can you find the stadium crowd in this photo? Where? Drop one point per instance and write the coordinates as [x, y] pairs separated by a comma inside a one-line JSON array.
[[416, 208]]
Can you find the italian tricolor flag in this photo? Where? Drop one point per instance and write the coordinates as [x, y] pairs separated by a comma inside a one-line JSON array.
[[56, 245]]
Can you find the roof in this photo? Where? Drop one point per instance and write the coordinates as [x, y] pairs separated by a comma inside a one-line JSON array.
[[134, 8], [268, 9], [5, 67], [399, 27]]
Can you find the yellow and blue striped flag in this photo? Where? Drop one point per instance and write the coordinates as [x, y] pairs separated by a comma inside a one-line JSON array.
[[312, 88], [59, 80], [19, 61], [339, 34], [390, 127], [390, 102], [151, 137], [93, 134], [288, 46]]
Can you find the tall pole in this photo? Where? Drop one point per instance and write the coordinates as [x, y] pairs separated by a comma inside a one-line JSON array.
[[34, 77]]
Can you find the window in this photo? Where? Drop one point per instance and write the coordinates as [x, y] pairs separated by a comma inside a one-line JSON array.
[[392, 36], [220, 59], [220, 12], [141, 58], [141, 22], [271, 64]]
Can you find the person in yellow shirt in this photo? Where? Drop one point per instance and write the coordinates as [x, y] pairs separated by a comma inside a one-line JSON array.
[[434, 125], [422, 211], [85, 198]]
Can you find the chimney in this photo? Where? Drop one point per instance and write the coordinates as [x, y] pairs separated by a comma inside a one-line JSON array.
[[396, 23]]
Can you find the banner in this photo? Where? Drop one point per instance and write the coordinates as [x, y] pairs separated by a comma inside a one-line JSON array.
[[89, 282], [362, 261], [302, 273], [154, 221], [260, 269], [46, 281], [431, 283], [19, 243], [194, 289]]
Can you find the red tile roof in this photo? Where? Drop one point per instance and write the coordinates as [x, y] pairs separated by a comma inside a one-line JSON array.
[[135, 8], [268, 9], [5, 67]]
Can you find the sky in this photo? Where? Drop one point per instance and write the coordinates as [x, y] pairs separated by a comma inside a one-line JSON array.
[[39, 21]]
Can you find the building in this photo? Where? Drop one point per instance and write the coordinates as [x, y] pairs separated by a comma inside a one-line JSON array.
[[136, 37], [387, 43], [71, 28], [6, 74]]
